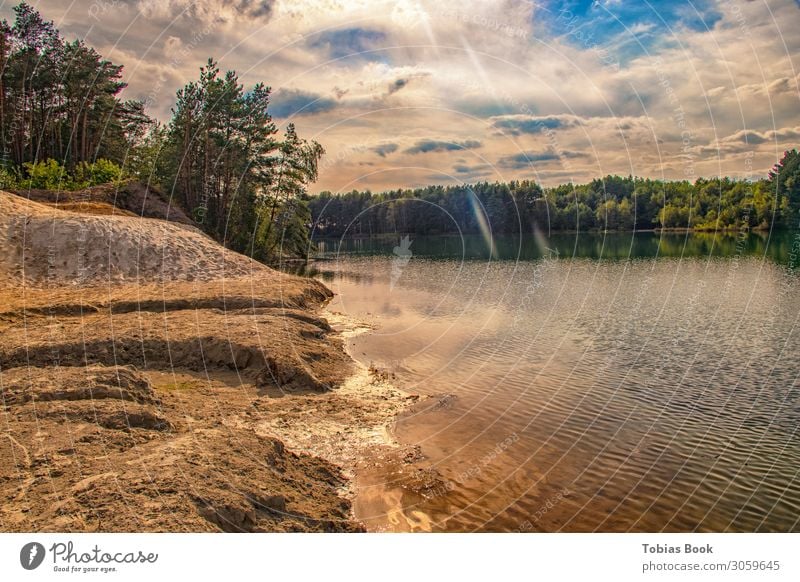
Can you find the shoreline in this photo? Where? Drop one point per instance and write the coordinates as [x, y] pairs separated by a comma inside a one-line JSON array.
[[202, 389], [384, 473], [360, 414], [655, 230], [190, 416]]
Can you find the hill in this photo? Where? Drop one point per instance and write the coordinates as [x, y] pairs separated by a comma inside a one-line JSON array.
[[45, 245]]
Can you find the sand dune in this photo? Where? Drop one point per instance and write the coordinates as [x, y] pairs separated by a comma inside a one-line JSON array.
[[45, 246]]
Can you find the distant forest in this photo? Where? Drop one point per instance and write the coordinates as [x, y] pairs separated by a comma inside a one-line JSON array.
[[610, 203]]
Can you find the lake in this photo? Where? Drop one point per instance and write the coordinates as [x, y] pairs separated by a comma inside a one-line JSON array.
[[585, 382]]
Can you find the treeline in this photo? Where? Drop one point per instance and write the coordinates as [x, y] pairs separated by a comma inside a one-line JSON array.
[[60, 100], [64, 125], [610, 203]]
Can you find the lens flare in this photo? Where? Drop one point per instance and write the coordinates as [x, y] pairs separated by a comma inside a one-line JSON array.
[[483, 222]]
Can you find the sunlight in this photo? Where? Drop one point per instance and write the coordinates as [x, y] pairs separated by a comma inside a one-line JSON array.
[[483, 223]]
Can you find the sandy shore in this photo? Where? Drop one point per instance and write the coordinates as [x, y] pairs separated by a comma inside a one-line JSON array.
[[152, 381], [350, 425]]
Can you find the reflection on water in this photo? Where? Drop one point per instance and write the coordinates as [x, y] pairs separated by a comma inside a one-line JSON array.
[[656, 391], [610, 246]]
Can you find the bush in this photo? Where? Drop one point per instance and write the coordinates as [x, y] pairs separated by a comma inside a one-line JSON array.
[[48, 175], [100, 172], [8, 179]]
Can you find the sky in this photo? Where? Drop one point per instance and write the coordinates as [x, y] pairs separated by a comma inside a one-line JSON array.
[[407, 93]]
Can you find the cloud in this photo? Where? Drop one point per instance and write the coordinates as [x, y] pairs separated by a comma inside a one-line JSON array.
[[526, 159], [385, 149], [396, 85], [293, 102], [777, 87], [784, 134], [207, 10], [251, 8], [607, 79], [403, 81], [640, 28], [348, 42], [716, 92], [746, 136], [782, 85], [532, 124], [747, 139], [425, 146], [467, 171]]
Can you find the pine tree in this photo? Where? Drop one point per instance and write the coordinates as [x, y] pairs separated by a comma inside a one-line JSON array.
[[785, 180]]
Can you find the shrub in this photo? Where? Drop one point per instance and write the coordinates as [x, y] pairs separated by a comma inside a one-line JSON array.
[[100, 172], [8, 179], [49, 175]]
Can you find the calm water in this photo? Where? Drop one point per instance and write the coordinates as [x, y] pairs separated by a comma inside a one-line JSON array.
[[608, 383]]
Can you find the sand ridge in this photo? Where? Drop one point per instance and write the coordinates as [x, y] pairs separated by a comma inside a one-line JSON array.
[[45, 246]]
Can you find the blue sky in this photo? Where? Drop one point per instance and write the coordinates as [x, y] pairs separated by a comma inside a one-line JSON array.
[[410, 92], [631, 28], [608, 19]]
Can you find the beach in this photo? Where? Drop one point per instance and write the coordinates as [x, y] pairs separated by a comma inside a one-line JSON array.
[[154, 381]]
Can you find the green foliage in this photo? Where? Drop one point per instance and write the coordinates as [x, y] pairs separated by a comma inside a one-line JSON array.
[[521, 207], [145, 161], [286, 237], [100, 172], [49, 175], [9, 180], [63, 126], [59, 100], [613, 215], [222, 159], [287, 226], [784, 178]]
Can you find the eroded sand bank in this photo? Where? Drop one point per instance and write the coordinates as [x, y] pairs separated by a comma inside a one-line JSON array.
[[152, 381]]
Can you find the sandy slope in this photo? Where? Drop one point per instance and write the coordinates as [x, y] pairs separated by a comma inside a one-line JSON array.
[[153, 381], [46, 246]]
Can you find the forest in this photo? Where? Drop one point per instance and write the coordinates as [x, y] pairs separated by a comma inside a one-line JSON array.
[[610, 203], [65, 126]]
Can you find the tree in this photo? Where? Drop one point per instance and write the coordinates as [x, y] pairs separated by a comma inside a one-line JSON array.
[[296, 165], [785, 180], [59, 100], [244, 186], [64, 125]]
